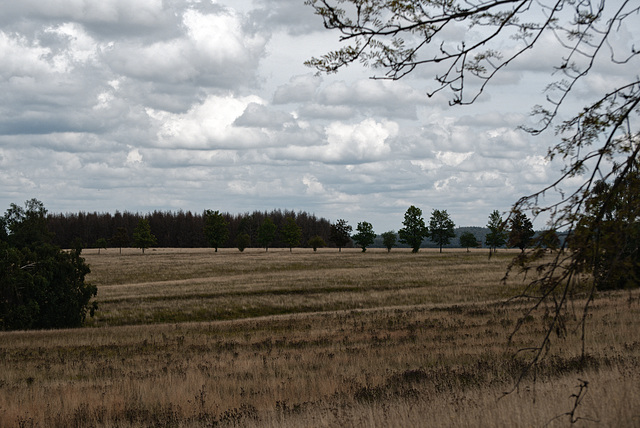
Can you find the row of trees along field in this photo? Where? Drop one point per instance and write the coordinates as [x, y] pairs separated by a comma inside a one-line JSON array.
[[276, 229]]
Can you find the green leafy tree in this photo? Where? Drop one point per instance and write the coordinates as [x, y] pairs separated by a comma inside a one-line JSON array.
[[316, 242], [468, 240], [441, 228], [216, 228], [291, 233], [120, 238], [101, 243], [596, 139], [142, 236], [266, 233], [498, 234], [243, 240], [520, 230], [414, 230], [26, 227], [365, 236], [340, 234], [41, 286], [389, 239]]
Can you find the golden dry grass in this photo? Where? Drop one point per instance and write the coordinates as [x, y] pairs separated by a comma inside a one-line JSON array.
[[136, 288], [314, 339]]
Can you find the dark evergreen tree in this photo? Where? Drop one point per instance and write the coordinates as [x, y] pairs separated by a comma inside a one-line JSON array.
[[497, 235], [520, 230]]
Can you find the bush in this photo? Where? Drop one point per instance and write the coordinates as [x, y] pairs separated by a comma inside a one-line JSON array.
[[316, 242], [243, 241]]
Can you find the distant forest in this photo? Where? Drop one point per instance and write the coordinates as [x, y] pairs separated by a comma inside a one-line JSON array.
[[182, 229], [175, 229]]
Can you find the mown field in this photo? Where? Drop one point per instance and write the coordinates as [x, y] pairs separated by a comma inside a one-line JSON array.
[[191, 338]]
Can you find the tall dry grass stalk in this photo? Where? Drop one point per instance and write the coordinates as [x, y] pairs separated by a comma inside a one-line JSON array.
[[371, 339]]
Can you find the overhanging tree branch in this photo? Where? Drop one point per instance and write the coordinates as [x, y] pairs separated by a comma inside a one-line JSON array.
[[600, 145]]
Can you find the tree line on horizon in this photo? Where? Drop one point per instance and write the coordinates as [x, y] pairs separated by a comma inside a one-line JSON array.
[[178, 229], [268, 229]]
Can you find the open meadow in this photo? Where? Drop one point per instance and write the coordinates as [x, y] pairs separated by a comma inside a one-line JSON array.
[[192, 338]]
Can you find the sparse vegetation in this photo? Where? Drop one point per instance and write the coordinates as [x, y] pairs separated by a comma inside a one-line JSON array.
[[293, 339]]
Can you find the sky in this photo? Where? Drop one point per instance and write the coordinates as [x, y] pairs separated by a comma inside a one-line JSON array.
[[190, 105]]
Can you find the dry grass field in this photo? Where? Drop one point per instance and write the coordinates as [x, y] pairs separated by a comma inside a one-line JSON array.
[[191, 338]]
